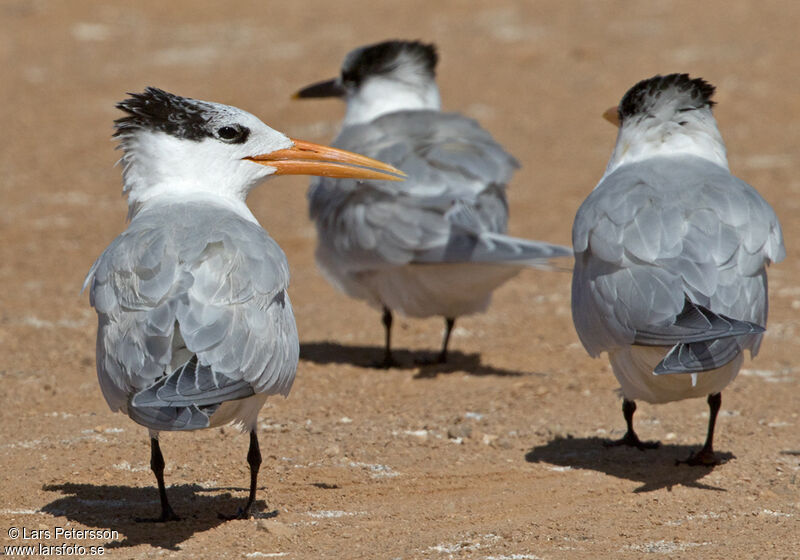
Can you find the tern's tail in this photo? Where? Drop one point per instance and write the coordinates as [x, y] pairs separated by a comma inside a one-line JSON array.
[[173, 418], [186, 398], [495, 248]]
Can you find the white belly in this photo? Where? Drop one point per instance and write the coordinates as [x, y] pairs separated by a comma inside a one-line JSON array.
[[633, 367], [446, 290], [243, 412]]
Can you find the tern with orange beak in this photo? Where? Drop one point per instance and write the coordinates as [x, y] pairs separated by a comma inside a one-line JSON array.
[[195, 327], [436, 244], [671, 255]]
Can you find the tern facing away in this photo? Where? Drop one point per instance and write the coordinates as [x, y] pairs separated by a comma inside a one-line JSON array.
[[195, 328], [671, 253], [435, 244]]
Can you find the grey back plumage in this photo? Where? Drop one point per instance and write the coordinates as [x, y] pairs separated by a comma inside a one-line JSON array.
[[445, 211], [657, 233], [198, 276]]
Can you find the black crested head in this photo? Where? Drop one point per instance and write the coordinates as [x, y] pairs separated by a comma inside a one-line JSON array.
[[384, 58], [644, 96], [158, 110]]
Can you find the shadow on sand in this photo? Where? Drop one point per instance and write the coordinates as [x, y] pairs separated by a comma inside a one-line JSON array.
[[117, 507], [654, 468], [370, 357]]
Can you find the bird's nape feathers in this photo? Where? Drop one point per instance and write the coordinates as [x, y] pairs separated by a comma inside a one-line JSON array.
[[158, 110], [385, 57], [643, 97]]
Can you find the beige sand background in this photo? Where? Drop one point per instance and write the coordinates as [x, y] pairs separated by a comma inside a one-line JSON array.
[[360, 463]]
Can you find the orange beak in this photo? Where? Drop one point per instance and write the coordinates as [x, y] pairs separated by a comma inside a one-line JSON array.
[[307, 158], [612, 115]]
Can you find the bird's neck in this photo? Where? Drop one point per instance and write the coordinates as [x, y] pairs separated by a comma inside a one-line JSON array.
[[381, 96], [159, 168], [175, 193], [636, 145]]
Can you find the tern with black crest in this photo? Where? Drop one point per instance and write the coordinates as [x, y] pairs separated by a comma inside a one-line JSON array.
[[195, 327], [671, 252], [434, 245]]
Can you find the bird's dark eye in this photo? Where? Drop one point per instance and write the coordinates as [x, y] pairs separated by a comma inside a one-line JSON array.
[[233, 134], [349, 80]]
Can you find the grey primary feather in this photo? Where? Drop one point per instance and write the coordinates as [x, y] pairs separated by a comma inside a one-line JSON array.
[[696, 357], [173, 418], [488, 247], [192, 384], [451, 208], [657, 232], [221, 281], [694, 324]]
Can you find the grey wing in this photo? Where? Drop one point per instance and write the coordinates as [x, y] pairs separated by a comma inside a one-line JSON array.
[[655, 235], [701, 340], [694, 324], [221, 280], [451, 208], [445, 155], [132, 287], [468, 241]]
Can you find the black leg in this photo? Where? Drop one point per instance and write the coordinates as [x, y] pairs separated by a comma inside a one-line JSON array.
[[157, 465], [705, 457], [387, 352], [254, 460], [449, 322], [630, 438], [441, 357]]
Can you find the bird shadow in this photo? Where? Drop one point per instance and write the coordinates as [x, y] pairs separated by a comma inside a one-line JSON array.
[[370, 357], [115, 508], [653, 468]]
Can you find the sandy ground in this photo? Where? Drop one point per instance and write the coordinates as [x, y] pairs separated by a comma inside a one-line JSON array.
[[496, 456]]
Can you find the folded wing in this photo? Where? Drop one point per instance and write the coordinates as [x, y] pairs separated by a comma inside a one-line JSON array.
[[193, 311], [451, 208], [674, 254]]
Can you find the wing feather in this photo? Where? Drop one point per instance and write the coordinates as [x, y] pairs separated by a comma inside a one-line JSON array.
[[222, 281], [656, 234], [450, 161]]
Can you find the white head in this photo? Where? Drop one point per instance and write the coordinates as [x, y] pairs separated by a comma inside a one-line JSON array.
[[176, 147], [383, 78], [667, 115]]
